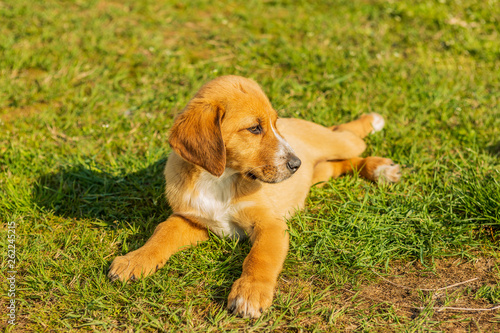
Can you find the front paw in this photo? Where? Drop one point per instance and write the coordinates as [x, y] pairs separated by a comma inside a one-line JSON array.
[[249, 298], [133, 266]]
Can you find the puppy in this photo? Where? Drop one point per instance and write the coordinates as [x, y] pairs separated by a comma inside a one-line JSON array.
[[239, 171]]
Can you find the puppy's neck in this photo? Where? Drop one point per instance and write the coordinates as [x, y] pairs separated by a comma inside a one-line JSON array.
[[222, 187], [230, 185]]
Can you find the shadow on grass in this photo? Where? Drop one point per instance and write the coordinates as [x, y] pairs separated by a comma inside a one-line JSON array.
[[494, 149], [84, 191]]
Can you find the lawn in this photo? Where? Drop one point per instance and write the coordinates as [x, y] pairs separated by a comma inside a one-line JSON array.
[[89, 90]]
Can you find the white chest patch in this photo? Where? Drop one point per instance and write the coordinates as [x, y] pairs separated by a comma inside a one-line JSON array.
[[211, 200]]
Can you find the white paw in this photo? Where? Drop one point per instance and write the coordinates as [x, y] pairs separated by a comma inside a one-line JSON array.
[[378, 122], [244, 308], [387, 174], [249, 298]]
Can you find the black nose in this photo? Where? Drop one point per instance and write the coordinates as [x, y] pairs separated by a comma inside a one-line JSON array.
[[293, 164]]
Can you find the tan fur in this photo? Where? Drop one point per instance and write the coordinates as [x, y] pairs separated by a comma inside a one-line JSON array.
[[232, 171]]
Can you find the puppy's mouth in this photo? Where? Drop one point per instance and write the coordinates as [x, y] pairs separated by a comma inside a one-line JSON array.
[[251, 176], [269, 177]]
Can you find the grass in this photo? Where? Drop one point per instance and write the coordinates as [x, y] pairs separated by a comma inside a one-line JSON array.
[[89, 89]]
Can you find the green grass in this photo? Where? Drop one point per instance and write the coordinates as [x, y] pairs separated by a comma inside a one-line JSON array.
[[89, 90]]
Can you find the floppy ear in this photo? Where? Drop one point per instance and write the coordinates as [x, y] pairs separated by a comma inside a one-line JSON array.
[[196, 136]]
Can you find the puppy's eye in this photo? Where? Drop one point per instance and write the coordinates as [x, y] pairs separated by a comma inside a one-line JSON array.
[[255, 129]]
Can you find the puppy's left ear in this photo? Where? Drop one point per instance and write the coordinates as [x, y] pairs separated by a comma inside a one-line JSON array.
[[196, 136]]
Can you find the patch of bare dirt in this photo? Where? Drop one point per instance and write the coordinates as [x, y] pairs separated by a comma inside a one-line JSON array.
[[443, 297], [11, 114]]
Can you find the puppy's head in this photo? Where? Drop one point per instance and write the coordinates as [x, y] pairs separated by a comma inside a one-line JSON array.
[[230, 123]]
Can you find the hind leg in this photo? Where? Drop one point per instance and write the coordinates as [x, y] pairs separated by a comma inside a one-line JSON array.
[[314, 143], [317, 143], [364, 125], [376, 169], [334, 151]]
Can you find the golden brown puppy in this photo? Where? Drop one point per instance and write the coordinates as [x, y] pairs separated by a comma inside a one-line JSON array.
[[239, 171]]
